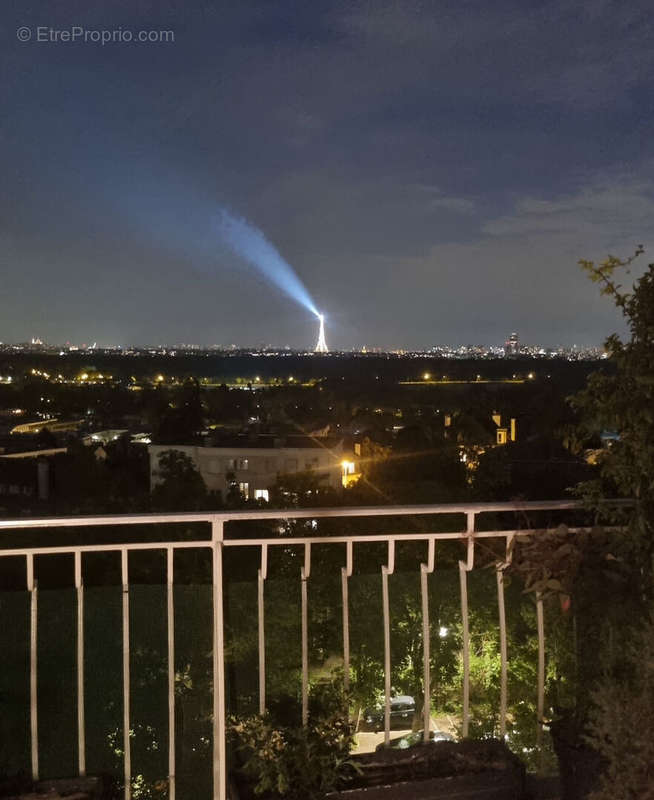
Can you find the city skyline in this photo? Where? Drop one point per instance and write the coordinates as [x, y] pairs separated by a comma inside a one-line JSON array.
[[511, 347]]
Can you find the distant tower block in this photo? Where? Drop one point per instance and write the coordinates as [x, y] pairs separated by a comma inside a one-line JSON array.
[[512, 345], [321, 346]]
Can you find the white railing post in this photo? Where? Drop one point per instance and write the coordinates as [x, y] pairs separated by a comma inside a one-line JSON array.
[[387, 570], [425, 571], [219, 722], [499, 574], [346, 573], [305, 572], [262, 574], [464, 568], [170, 614], [81, 727], [34, 720], [127, 748], [540, 624]]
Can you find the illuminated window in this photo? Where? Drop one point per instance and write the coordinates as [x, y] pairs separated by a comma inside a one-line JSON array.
[[244, 489], [501, 436], [261, 494]]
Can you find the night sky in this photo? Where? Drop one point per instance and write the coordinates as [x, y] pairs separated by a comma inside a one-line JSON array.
[[432, 170]]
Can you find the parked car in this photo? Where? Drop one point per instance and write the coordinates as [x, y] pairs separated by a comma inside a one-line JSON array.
[[416, 737], [403, 709]]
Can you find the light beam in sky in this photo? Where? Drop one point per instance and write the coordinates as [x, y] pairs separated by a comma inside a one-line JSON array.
[[250, 244]]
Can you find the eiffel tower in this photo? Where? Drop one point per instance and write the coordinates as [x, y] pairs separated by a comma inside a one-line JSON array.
[[321, 346]]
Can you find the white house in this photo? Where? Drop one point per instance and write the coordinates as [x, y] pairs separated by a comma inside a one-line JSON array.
[[255, 464]]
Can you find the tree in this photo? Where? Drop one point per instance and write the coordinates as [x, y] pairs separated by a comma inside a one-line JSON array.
[[613, 586], [622, 724], [180, 487], [302, 489], [182, 420], [622, 401]]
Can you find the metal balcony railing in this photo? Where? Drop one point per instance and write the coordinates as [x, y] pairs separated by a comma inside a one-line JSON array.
[[216, 542]]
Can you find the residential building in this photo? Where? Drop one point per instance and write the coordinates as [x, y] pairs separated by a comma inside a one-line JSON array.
[[255, 463]]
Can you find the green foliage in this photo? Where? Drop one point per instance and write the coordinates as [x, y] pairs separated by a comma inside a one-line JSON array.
[[621, 725], [548, 564], [302, 489], [298, 763], [605, 578], [418, 471], [366, 679], [622, 400], [180, 487]]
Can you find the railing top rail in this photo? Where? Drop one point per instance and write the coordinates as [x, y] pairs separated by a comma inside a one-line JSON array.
[[279, 541], [287, 513]]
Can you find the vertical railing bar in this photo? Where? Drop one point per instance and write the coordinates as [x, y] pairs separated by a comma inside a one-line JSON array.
[[540, 623], [391, 556], [126, 676], [387, 657], [81, 725], [503, 650], [261, 577], [305, 572], [426, 724], [219, 723], [386, 571], [425, 570], [346, 629], [464, 568], [170, 610], [346, 573], [500, 568], [34, 723], [463, 580]]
